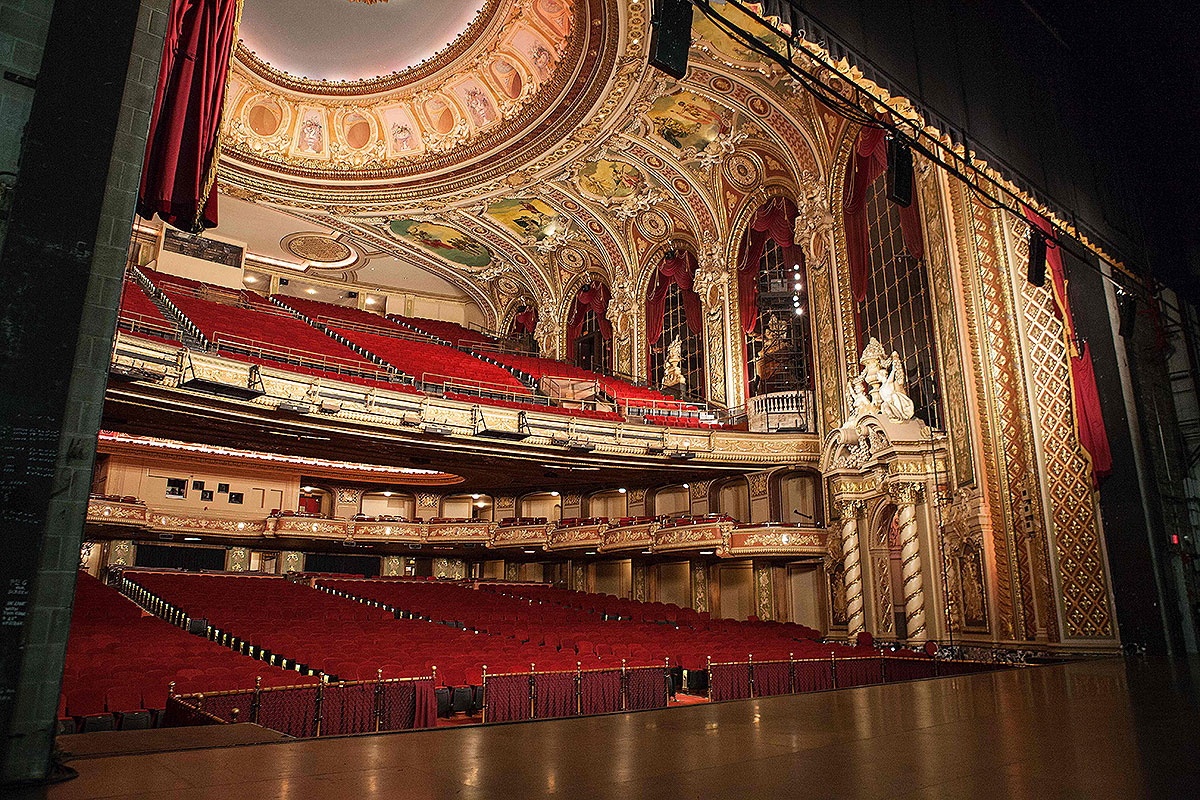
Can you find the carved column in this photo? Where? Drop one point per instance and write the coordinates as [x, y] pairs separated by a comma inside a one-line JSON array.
[[711, 283], [699, 586], [907, 495], [640, 588], [764, 591], [391, 567], [849, 510], [621, 312]]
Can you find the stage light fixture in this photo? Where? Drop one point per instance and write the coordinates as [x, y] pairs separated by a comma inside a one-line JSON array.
[[1037, 257]]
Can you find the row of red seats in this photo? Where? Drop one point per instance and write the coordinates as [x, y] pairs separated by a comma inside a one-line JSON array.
[[584, 413], [121, 662], [680, 422], [451, 332], [418, 358], [622, 391]]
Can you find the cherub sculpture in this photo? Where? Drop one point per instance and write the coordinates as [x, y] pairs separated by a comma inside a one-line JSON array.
[[893, 392]]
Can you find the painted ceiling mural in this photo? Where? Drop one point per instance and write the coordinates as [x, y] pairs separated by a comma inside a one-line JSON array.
[[545, 153]]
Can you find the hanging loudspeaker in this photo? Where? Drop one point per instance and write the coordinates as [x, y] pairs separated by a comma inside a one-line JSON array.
[[1126, 312], [671, 36], [899, 172], [1037, 257]]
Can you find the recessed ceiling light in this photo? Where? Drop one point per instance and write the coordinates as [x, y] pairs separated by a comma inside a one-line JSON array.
[[554, 494], [370, 301], [191, 538], [530, 552], [706, 552], [475, 497], [621, 490], [251, 279], [310, 290], [387, 494], [686, 486], [590, 553]]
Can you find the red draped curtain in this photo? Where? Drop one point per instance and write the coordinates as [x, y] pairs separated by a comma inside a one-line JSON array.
[[592, 297], [1088, 417], [184, 141], [676, 268], [526, 320], [868, 161], [773, 221]]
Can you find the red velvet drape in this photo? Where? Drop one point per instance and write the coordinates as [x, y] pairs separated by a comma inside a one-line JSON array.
[[867, 162], [774, 220], [678, 269], [184, 140], [1088, 417], [526, 321], [592, 297]]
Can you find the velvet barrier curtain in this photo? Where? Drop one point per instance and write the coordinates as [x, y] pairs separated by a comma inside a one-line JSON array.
[[867, 161], [184, 139], [774, 220], [600, 691], [554, 695], [425, 710], [646, 688], [678, 269], [729, 681], [1088, 417], [593, 297], [506, 698]]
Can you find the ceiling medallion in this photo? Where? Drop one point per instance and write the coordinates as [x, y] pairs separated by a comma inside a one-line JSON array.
[[318, 249]]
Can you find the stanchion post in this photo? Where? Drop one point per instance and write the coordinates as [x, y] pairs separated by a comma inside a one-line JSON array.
[[320, 702], [791, 673], [624, 687], [379, 698], [750, 673], [578, 688], [833, 668], [256, 701], [882, 668], [667, 680], [708, 666], [485, 693], [532, 693]]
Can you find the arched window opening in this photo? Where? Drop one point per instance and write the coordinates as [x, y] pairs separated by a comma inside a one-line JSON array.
[[773, 302], [589, 333], [896, 306], [673, 313], [520, 333]]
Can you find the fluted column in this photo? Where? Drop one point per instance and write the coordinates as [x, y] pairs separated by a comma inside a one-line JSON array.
[[849, 510], [907, 495]]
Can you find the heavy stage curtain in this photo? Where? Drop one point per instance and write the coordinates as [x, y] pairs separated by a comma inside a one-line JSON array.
[[593, 297], [184, 141], [867, 162], [1088, 418], [677, 269], [773, 221]]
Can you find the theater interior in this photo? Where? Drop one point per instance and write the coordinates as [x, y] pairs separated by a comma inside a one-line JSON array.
[[469, 364]]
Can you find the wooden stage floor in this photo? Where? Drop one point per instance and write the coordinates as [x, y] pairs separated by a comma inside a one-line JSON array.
[[1096, 729]]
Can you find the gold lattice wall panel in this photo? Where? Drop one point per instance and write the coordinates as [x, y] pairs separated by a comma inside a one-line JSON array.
[[1083, 582]]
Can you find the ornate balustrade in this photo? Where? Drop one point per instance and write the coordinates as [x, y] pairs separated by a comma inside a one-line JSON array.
[[725, 538], [263, 388]]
